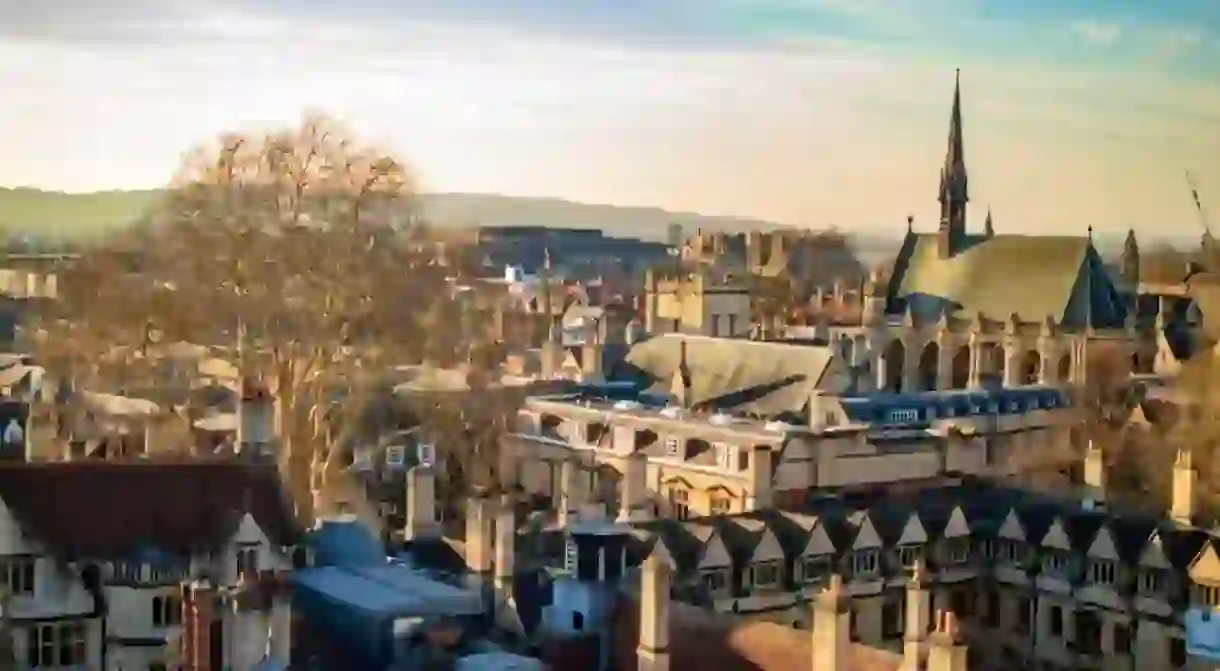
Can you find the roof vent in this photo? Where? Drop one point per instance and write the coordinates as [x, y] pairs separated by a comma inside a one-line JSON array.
[[721, 419], [782, 427], [672, 412], [626, 404]]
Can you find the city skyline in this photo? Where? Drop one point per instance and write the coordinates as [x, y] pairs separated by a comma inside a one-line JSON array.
[[806, 112]]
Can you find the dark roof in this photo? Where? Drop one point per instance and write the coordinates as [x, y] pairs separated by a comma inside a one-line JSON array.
[[106, 509]]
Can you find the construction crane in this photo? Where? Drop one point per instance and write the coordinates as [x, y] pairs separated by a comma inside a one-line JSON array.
[[1209, 242]]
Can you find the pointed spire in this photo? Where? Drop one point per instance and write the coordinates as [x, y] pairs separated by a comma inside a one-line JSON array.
[[953, 185], [988, 228]]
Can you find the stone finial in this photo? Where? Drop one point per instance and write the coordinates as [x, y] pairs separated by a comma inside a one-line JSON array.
[[1048, 326], [1014, 323]]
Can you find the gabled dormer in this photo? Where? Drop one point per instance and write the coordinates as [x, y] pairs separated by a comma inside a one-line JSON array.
[[713, 561], [1204, 575], [1056, 551], [955, 544], [764, 566], [1012, 542], [1154, 571], [863, 561], [816, 561], [1104, 563], [910, 545]]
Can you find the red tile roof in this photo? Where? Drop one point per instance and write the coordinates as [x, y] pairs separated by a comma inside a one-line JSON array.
[[105, 509]]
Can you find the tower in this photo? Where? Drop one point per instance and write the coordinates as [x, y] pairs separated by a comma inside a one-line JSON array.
[[1131, 262], [954, 193]]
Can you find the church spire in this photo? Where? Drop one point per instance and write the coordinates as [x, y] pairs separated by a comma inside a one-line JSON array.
[[988, 227], [953, 182]]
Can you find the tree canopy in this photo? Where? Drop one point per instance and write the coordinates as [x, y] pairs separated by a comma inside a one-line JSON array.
[[295, 256]]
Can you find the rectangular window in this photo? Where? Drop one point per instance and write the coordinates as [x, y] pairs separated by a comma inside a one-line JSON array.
[[864, 563], [716, 581], [247, 562], [766, 575], [55, 645], [900, 416], [167, 611], [679, 499], [815, 568], [1056, 617], [1103, 572], [909, 554], [743, 459], [1152, 582], [18, 575], [720, 506]]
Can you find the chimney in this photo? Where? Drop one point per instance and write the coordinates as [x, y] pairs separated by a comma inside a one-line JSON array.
[[571, 492], [1095, 471], [634, 504], [281, 622], [255, 420], [918, 612], [421, 504], [831, 627], [652, 653], [198, 613], [505, 548], [1182, 506], [479, 522], [761, 478], [945, 653], [249, 626]]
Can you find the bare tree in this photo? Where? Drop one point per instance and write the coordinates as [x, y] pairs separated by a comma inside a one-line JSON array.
[[282, 254]]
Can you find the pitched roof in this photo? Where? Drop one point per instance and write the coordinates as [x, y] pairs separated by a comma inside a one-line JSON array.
[[107, 509], [979, 279], [764, 378]]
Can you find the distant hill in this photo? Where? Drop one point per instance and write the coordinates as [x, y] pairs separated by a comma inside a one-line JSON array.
[[68, 215]]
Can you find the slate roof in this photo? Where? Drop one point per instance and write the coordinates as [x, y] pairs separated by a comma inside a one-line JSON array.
[[762, 378], [980, 279], [985, 507], [98, 509]]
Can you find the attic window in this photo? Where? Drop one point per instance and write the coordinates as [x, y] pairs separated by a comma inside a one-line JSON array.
[[1103, 572], [1152, 581]]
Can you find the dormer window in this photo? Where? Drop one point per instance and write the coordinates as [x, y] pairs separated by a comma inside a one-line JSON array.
[[814, 569], [1103, 572], [18, 575], [247, 562], [864, 563], [1207, 595], [1011, 552], [900, 416], [673, 448], [1151, 582], [1055, 563], [908, 555], [957, 550]]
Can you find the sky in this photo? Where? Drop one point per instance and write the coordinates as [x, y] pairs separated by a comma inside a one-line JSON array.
[[805, 112]]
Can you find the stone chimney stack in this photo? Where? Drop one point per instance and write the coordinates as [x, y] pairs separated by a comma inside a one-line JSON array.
[[505, 541], [421, 504], [831, 627], [635, 499], [572, 492], [199, 601], [1182, 507], [918, 614], [249, 628], [255, 420], [652, 653], [1095, 471], [479, 535], [945, 652]]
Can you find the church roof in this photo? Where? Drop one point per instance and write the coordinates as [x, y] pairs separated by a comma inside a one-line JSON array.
[[764, 378], [996, 276]]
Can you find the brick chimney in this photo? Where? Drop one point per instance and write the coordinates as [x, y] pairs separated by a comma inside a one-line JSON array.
[[831, 627], [652, 653], [945, 653], [199, 601], [421, 504]]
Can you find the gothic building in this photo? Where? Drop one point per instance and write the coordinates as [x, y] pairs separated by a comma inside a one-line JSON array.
[[965, 309]]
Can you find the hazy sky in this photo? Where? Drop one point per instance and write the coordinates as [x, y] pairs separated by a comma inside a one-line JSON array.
[[808, 112]]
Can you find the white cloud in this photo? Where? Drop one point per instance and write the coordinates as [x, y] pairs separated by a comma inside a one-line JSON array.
[[1097, 32]]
